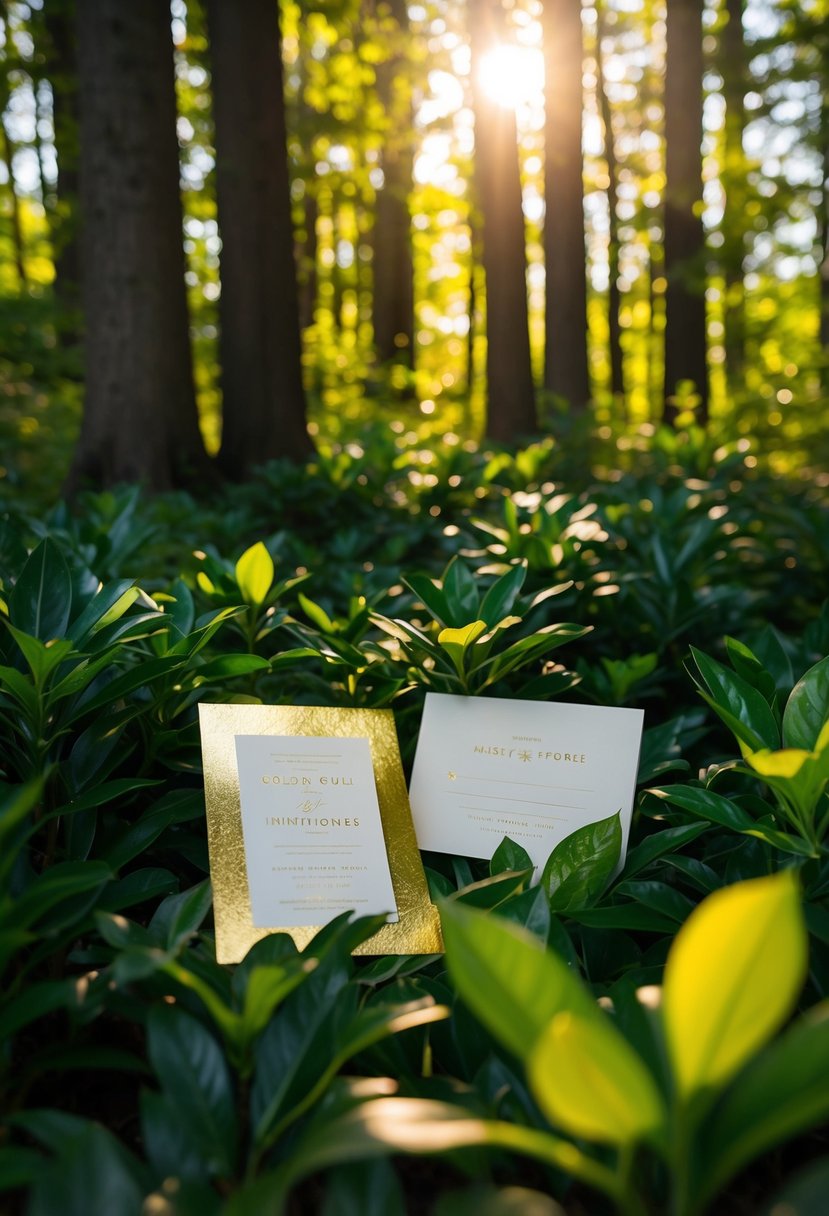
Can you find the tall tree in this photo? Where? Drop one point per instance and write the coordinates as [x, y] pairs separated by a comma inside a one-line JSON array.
[[510, 392], [259, 345], [685, 344], [617, 375], [823, 246], [57, 37], [393, 294], [565, 365], [733, 67], [7, 149], [140, 420]]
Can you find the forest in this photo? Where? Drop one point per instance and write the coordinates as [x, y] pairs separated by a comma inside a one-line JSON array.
[[356, 356]]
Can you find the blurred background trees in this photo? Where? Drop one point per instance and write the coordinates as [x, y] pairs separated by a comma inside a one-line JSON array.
[[387, 216]]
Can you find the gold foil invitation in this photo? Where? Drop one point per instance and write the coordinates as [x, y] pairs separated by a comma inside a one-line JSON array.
[[307, 815]]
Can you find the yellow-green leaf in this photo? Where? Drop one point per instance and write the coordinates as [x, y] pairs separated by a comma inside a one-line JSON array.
[[732, 978], [457, 641], [254, 573], [589, 1081], [784, 763]]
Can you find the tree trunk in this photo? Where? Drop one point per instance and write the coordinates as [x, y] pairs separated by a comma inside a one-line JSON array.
[[260, 345], [393, 298], [18, 244], [823, 232], [140, 421], [510, 393], [733, 177], [614, 302], [60, 55], [565, 363], [8, 149], [685, 345]]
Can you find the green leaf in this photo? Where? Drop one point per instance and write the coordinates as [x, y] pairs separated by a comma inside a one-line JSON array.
[[657, 845], [460, 592], [579, 868], [18, 1166], [194, 1077], [510, 856], [228, 666], [16, 803], [512, 984], [267, 988], [589, 1081], [179, 806], [316, 614], [524, 651], [500, 599], [413, 1125], [492, 891], [58, 885], [807, 709], [22, 689], [660, 897], [171, 1145], [108, 604], [41, 600], [144, 675], [92, 1164], [108, 792], [625, 916], [432, 596], [41, 657], [34, 1002], [136, 887], [531, 910], [781, 1094], [745, 710], [732, 977], [254, 574], [718, 809], [179, 916], [361, 1188]]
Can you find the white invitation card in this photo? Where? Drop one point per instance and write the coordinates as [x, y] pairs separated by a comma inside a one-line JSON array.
[[535, 771], [313, 836]]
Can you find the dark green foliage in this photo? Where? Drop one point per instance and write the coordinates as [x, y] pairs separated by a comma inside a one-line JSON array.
[[130, 1057]]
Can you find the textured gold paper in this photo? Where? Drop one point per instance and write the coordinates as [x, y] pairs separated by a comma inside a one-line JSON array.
[[417, 930]]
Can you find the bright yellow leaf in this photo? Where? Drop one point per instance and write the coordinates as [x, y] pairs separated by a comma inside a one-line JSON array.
[[732, 977], [784, 763], [254, 573]]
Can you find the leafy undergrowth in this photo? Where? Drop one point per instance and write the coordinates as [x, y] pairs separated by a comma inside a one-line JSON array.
[[138, 1076]]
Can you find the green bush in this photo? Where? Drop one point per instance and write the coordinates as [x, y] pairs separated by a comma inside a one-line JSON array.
[[599, 1023]]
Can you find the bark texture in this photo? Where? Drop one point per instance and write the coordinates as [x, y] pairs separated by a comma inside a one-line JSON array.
[[565, 364], [61, 65], [140, 421], [393, 294], [510, 391], [685, 340], [733, 67], [614, 300], [264, 413]]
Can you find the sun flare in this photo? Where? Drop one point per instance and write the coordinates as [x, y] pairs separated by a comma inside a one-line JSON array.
[[512, 75]]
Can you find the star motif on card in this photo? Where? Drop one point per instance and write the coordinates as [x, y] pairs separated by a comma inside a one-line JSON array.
[[525, 756], [452, 776]]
